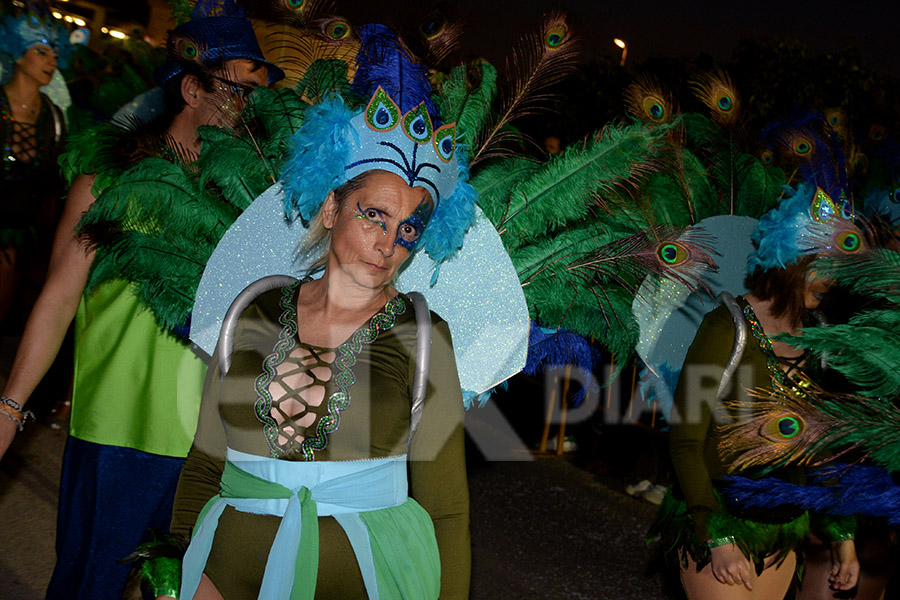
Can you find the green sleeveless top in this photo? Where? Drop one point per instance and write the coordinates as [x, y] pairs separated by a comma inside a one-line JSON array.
[[134, 385]]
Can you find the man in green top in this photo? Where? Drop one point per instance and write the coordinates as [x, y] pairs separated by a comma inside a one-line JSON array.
[[136, 390]]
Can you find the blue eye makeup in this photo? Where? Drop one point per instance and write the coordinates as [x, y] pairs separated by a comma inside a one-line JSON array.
[[408, 231]]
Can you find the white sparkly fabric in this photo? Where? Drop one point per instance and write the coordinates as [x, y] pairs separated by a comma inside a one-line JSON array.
[[669, 315]]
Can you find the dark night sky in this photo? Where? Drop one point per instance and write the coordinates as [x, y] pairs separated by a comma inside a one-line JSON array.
[[679, 29]]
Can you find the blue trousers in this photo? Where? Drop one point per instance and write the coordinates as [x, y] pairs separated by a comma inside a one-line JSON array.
[[108, 498]]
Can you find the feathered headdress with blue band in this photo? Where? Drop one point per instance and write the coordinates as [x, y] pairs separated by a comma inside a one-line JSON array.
[[337, 144], [33, 28], [806, 222]]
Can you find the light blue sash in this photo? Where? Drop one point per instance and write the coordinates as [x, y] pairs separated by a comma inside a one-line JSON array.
[[298, 492]]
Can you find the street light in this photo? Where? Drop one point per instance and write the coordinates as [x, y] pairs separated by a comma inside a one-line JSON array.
[[621, 44]]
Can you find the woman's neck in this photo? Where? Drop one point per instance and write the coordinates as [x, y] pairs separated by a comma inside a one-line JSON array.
[[773, 325], [24, 95], [334, 295]]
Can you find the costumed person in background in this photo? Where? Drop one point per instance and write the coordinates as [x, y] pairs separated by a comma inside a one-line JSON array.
[[310, 424], [723, 551], [136, 391], [32, 131]]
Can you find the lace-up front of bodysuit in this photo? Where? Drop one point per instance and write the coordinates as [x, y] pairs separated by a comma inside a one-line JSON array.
[[298, 393], [303, 389]]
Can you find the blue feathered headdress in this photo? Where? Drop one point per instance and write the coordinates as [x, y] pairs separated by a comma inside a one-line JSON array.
[[336, 144], [18, 34], [807, 221]]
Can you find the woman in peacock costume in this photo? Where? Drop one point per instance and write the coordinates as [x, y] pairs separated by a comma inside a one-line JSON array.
[[32, 130]]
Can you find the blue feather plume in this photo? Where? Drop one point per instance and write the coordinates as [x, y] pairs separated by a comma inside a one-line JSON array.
[[452, 218], [777, 237], [382, 61], [321, 149], [835, 490], [558, 348]]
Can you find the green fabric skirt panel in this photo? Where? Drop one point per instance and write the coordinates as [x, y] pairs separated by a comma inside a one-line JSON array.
[[405, 552], [134, 385]]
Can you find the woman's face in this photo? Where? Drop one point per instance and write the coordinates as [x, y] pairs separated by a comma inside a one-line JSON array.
[[815, 289], [38, 63], [375, 228]]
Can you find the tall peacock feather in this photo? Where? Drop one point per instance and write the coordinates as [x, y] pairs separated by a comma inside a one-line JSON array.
[[649, 102], [538, 62]]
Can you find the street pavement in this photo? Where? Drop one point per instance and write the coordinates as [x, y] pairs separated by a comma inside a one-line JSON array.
[[542, 528]]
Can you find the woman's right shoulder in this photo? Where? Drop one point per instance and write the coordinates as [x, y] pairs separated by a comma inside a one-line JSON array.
[[271, 302]]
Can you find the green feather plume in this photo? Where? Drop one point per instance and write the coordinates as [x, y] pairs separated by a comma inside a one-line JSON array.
[[867, 349], [466, 97], [495, 182], [562, 189], [156, 227], [243, 163], [323, 78]]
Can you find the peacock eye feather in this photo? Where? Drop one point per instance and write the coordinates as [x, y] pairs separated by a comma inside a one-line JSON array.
[[338, 30], [782, 428], [767, 157], [556, 36], [654, 108], [432, 28], [725, 103], [802, 147], [672, 254], [849, 241], [294, 4]]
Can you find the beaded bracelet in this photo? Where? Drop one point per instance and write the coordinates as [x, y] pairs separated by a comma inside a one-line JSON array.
[[723, 541], [13, 410]]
